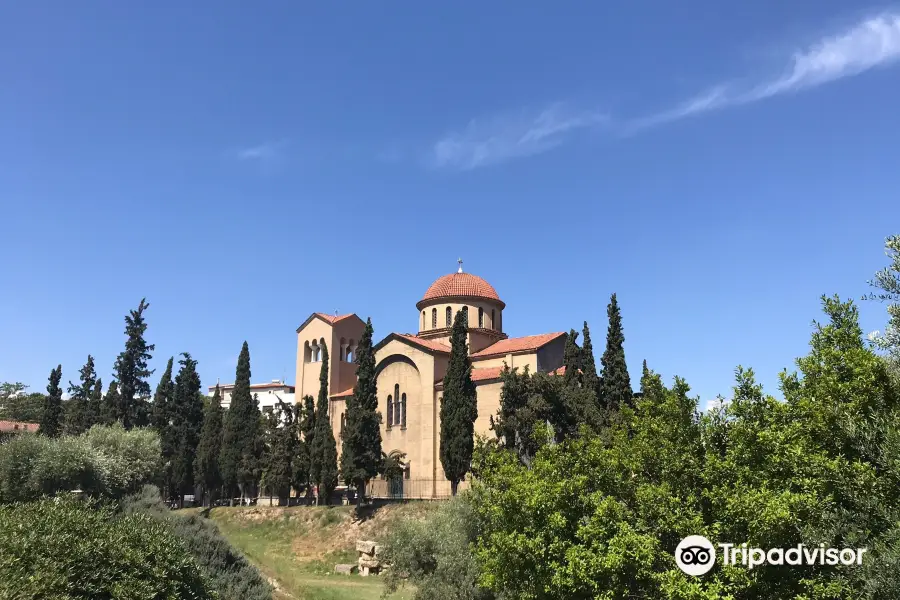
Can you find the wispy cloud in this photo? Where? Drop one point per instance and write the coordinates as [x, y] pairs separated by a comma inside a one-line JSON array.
[[500, 138], [261, 152], [871, 43]]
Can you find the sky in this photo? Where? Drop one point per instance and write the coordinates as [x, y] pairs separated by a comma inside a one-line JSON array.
[[241, 165]]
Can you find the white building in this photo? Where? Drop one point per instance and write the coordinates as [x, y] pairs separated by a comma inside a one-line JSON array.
[[268, 393]]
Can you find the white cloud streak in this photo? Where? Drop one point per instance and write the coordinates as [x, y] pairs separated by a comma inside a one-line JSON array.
[[261, 152], [506, 137], [871, 43]]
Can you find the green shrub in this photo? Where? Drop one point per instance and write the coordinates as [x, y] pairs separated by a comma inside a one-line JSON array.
[[435, 554], [230, 574], [104, 462], [66, 548]]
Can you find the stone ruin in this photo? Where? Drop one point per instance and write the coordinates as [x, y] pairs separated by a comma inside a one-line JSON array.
[[369, 558]]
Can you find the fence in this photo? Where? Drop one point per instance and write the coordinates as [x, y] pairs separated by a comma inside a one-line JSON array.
[[411, 489]]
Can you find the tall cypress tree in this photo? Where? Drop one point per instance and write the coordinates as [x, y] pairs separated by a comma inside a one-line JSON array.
[[96, 404], [51, 416], [459, 408], [280, 452], [615, 383], [588, 366], [241, 425], [162, 421], [187, 420], [78, 420], [308, 431], [131, 368], [572, 359], [361, 458], [323, 466], [206, 465], [109, 409]]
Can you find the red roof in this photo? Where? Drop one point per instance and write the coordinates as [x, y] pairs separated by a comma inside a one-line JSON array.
[[15, 426], [429, 344], [334, 318], [516, 345], [486, 373], [343, 394], [460, 284]]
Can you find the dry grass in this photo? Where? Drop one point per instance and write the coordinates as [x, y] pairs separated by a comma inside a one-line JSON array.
[[297, 547]]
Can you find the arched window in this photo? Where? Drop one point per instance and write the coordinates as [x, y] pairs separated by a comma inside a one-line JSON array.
[[343, 422], [396, 404], [466, 316], [423, 319], [307, 352], [403, 411], [480, 318], [390, 411], [493, 320], [433, 318], [449, 317], [314, 351]]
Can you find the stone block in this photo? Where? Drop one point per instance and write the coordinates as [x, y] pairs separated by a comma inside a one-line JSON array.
[[345, 569], [378, 550], [365, 547], [369, 563]]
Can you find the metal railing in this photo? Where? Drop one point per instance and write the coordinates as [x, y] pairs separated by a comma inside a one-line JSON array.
[[411, 489]]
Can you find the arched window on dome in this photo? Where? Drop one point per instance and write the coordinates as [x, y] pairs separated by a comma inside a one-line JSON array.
[[403, 411], [480, 318], [423, 319], [493, 320], [390, 411], [449, 317], [434, 318], [466, 316]]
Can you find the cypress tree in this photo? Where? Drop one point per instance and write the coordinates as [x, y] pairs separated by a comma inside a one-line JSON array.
[[131, 368], [240, 429], [307, 426], [78, 420], [187, 420], [458, 408], [572, 359], [588, 365], [280, 453], [110, 406], [615, 383], [51, 416], [96, 403], [361, 457], [162, 421], [206, 465], [323, 466]]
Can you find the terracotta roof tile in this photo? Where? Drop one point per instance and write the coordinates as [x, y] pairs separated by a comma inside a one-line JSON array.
[[519, 344], [334, 318], [430, 344], [12, 426], [486, 373], [460, 284], [343, 394]]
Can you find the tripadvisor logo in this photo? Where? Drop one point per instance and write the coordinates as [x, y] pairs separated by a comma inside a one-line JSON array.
[[695, 555]]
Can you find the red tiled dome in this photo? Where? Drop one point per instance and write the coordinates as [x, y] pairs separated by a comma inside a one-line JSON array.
[[461, 284]]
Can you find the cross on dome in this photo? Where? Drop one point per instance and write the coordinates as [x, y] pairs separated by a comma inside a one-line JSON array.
[[459, 260]]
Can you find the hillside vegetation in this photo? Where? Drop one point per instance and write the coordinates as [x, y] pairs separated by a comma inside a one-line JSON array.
[[297, 547]]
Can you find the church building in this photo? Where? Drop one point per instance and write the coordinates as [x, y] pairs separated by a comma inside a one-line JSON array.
[[410, 369]]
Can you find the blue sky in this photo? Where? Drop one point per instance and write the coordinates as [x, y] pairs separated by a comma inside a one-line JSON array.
[[719, 168]]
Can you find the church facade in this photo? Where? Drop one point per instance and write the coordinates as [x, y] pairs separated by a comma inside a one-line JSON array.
[[410, 368]]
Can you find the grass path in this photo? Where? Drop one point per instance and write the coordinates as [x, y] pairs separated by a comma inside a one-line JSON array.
[[298, 547]]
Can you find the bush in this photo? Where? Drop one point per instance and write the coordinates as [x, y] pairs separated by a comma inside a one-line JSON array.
[[435, 554], [104, 462], [230, 574], [65, 548]]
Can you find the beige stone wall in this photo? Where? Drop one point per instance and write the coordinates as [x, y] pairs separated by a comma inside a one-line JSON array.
[[513, 360], [488, 405], [413, 370]]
